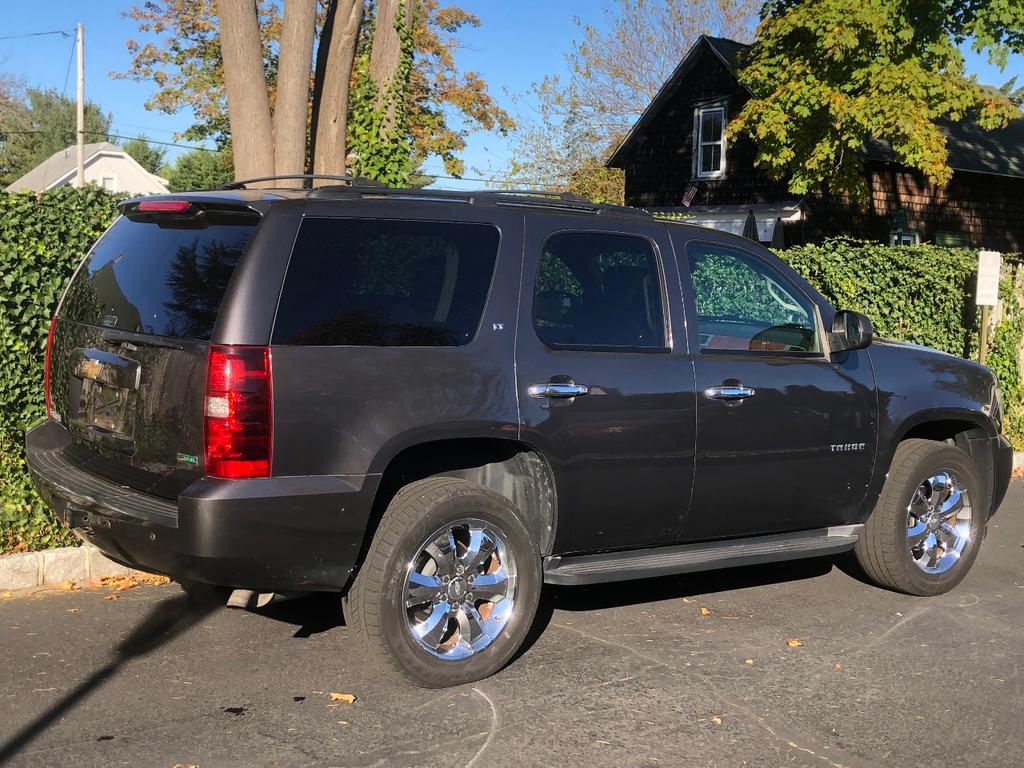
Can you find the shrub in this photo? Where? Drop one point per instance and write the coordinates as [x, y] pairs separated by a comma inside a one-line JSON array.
[[42, 240]]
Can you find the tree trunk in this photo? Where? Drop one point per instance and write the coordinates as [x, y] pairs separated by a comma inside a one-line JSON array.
[[290, 110], [252, 135], [386, 53], [334, 60]]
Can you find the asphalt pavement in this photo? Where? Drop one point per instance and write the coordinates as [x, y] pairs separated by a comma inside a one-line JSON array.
[[684, 671]]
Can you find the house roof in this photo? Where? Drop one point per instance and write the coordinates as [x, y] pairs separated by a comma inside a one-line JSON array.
[[971, 148], [63, 162]]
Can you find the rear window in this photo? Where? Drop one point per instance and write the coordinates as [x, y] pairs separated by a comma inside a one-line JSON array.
[[166, 278], [372, 282]]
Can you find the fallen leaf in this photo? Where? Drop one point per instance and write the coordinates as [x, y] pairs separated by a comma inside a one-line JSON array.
[[67, 586], [687, 600], [837, 665], [716, 720], [749, 662], [8, 595], [348, 698], [704, 611], [793, 643], [72, 610], [112, 596]]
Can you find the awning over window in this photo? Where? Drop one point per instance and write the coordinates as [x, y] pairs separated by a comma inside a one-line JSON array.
[[731, 218]]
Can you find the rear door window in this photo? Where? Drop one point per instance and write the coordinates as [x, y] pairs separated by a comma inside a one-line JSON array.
[[376, 282], [166, 278], [596, 289]]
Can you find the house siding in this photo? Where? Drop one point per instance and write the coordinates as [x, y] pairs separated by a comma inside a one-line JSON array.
[[988, 210], [660, 167]]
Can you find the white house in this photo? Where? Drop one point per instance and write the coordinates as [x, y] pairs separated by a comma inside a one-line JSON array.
[[106, 165]]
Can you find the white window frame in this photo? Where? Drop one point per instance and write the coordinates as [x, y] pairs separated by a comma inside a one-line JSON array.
[[698, 143], [113, 181]]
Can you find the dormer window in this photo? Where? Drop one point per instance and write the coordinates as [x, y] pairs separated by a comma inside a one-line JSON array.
[[709, 140]]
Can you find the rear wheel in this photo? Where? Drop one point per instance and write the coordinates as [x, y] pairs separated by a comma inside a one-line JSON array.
[[925, 532], [450, 584]]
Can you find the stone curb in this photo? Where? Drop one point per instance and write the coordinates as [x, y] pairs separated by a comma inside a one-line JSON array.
[[25, 570]]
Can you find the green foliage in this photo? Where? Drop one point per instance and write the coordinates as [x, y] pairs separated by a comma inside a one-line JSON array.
[[42, 241], [149, 156], [41, 123], [378, 128], [829, 74], [199, 169]]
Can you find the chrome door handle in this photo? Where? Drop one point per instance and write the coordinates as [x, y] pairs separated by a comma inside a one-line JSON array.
[[554, 389], [730, 392]]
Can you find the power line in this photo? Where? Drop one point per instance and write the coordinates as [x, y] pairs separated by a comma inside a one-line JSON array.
[[67, 77], [112, 136], [36, 34]]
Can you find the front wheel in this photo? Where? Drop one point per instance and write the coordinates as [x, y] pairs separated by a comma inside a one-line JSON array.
[[925, 532], [450, 584]]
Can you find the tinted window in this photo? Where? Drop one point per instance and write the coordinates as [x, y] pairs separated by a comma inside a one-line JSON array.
[[598, 290], [162, 278], [744, 304], [367, 282]]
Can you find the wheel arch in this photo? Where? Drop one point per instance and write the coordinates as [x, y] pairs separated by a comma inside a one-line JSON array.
[[509, 467], [969, 431]]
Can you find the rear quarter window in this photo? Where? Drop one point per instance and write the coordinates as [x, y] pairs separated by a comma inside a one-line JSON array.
[[376, 282]]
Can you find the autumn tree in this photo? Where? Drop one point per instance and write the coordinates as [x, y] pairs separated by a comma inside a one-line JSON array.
[[829, 74], [615, 70], [181, 52]]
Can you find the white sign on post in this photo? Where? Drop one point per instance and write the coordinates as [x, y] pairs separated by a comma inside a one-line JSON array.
[[989, 263]]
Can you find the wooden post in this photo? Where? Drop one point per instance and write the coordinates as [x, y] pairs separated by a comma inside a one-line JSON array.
[[983, 346], [80, 108]]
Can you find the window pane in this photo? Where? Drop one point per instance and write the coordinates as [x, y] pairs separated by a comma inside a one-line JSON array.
[[598, 290], [710, 158], [743, 304], [162, 278], [386, 283], [711, 125]]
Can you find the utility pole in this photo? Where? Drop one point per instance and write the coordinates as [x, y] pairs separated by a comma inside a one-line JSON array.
[[80, 110]]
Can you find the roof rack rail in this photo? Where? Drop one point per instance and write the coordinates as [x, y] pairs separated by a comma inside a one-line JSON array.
[[525, 198], [308, 179], [565, 200]]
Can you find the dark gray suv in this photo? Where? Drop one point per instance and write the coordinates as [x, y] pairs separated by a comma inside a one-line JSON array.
[[433, 403]]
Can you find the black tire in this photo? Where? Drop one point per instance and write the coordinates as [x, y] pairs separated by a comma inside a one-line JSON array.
[[883, 550], [376, 611]]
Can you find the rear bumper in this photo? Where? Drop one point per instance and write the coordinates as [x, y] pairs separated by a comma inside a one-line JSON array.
[[1002, 455], [265, 534]]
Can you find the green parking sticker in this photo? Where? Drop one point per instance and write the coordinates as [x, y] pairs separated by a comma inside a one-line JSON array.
[[184, 458]]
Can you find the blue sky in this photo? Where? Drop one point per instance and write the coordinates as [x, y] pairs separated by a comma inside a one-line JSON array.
[[518, 43]]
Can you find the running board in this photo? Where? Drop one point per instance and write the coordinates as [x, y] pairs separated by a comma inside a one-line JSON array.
[[706, 556]]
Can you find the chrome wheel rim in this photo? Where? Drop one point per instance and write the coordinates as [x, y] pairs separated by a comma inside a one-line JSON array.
[[939, 521], [460, 589]]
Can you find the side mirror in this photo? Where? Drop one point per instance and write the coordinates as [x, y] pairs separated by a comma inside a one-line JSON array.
[[850, 330]]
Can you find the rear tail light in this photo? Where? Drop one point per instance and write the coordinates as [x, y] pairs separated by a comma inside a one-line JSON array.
[[239, 415], [46, 370]]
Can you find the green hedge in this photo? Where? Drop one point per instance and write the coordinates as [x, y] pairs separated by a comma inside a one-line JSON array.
[[42, 240], [922, 294]]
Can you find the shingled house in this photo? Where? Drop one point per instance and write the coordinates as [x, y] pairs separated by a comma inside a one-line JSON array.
[[677, 158]]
